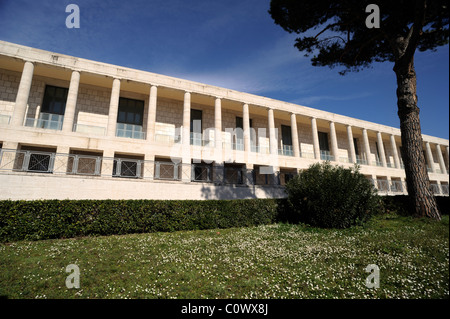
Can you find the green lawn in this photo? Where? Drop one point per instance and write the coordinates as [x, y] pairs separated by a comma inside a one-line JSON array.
[[274, 261]]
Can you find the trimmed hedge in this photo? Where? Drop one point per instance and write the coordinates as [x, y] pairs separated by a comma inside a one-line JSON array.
[[47, 219]]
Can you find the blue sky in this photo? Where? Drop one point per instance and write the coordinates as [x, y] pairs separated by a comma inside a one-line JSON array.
[[229, 43]]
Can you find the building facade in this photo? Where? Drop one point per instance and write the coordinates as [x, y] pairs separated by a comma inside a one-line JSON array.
[[71, 128]]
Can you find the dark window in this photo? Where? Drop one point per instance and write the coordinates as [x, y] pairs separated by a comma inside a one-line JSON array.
[[233, 174], [39, 162], [240, 124], [130, 111], [196, 121], [196, 127], [54, 100], [355, 142], [323, 141], [127, 168], [201, 172], [288, 177], [286, 135]]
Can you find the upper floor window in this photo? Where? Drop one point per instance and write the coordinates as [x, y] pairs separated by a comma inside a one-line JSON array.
[[286, 135], [54, 100], [196, 127], [355, 143], [130, 111], [323, 142]]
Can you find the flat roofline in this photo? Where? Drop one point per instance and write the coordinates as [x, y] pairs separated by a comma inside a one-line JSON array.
[[114, 71]]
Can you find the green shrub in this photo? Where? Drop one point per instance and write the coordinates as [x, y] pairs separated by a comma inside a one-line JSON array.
[[331, 196], [400, 205], [46, 219]]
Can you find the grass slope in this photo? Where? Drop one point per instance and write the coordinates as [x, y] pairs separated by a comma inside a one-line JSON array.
[[273, 261]]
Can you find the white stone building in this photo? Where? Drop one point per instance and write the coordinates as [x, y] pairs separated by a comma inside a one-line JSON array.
[[79, 129]]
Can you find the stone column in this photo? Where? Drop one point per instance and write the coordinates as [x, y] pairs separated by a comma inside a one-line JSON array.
[[246, 128], [218, 129], [381, 149], [315, 135], [439, 187], [395, 152], [186, 139], [248, 174], [187, 119], [334, 146], [447, 153], [107, 163], [8, 157], [441, 159], [23, 93], [294, 133], [430, 157], [149, 166], [71, 104], [366, 145], [151, 117], [113, 108], [351, 144], [272, 136], [61, 160]]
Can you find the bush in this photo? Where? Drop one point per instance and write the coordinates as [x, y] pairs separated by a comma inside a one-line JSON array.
[[331, 197], [400, 204], [46, 219]]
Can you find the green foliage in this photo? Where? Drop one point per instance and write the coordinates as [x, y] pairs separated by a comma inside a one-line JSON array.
[[331, 197], [334, 33], [401, 205], [45, 219]]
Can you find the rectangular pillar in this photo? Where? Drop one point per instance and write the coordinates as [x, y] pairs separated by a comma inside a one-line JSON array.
[[334, 146], [273, 143], [71, 104], [395, 152], [429, 157], [113, 108], [366, 145], [441, 159], [186, 119], [23, 93], [8, 155], [315, 135], [61, 160], [447, 154], [381, 149], [351, 144], [218, 145], [151, 118], [248, 171], [246, 128], [294, 133], [149, 166], [107, 163], [186, 139]]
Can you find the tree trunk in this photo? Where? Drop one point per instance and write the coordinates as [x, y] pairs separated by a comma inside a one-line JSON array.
[[422, 200]]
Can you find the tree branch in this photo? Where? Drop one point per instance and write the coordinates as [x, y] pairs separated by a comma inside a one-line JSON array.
[[326, 28], [413, 38]]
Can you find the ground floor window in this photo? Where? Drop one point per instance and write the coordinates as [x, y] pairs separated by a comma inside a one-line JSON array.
[[201, 172]]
